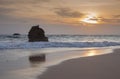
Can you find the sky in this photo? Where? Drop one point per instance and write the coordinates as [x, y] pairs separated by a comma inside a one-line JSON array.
[[83, 17]]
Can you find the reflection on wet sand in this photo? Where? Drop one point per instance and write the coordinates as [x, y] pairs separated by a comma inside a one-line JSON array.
[[37, 59], [54, 58], [44, 60], [93, 53], [50, 59], [37, 62]]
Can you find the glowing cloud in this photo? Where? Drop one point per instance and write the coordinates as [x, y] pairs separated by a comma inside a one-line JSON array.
[[90, 18]]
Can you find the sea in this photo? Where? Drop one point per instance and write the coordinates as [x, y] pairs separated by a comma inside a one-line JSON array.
[[29, 60], [60, 41]]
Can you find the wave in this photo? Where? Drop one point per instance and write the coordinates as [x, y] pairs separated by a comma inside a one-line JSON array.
[[28, 45]]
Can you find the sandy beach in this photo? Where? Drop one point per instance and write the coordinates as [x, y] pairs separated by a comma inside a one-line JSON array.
[[59, 39], [94, 67], [60, 63]]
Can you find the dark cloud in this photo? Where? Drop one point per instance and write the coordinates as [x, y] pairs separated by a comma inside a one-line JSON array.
[[116, 16], [95, 18], [110, 20], [67, 12], [113, 19]]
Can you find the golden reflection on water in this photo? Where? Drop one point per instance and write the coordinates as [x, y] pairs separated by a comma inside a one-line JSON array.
[[38, 62], [92, 53], [58, 57]]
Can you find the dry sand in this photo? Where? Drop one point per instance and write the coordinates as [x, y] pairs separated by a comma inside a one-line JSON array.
[[97, 67]]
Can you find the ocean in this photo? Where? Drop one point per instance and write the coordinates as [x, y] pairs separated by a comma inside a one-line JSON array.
[[28, 60], [60, 41]]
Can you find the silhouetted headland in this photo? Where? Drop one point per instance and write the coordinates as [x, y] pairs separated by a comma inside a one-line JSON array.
[[37, 34]]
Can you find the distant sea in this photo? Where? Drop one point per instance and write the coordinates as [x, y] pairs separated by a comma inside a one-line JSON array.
[[59, 41]]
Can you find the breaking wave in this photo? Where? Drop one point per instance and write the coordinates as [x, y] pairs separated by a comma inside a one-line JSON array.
[[28, 45]]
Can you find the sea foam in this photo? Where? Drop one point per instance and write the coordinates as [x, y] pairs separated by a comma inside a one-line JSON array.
[[28, 45]]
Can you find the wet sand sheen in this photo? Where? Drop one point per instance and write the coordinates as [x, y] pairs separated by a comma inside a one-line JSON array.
[[97, 67], [28, 64]]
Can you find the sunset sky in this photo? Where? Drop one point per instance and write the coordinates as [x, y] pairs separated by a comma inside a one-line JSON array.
[[61, 16]]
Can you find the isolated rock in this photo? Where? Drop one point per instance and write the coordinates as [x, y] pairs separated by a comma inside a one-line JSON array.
[[37, 34], [16, 35]]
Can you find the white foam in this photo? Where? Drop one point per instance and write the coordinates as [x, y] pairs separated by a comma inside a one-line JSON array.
[[27, 45]]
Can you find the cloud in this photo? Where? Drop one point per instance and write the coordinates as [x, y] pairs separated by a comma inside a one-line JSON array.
[[95, 18], [110, 20], [116, 16], [6, 10], [36, 9], [21, 9], [6, 2], [15, 7], [67, 12]]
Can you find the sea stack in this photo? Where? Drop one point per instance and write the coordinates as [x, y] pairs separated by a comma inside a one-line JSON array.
[[37, 34]]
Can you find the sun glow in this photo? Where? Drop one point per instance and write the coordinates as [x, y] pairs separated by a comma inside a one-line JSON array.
[[91, 18]]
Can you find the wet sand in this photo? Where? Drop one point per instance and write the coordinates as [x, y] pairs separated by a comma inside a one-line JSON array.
[[94, 67], [59, 63]]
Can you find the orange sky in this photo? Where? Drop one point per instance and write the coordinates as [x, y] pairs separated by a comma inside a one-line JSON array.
[[61, 16]]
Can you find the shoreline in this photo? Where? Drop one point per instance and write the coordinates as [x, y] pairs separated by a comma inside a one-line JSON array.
[[98, 67], [35, 64]]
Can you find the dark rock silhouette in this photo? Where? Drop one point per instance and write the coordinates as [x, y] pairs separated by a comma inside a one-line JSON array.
[[16, 35], [37, 34]]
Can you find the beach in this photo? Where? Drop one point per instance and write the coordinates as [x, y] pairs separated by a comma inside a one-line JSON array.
[[95, 67], [60, 63], [59, 39]]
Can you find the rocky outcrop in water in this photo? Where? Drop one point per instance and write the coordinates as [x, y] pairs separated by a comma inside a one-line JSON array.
[[37, 34], [16, 35]]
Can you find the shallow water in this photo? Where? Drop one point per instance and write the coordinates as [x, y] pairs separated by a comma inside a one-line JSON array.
[[16, 64], [57, 41]]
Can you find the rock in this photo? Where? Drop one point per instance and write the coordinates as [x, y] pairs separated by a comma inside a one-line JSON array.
[[16, 35], [37, 34]]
